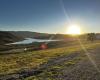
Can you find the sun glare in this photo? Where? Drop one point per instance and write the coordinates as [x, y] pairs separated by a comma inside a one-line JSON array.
[[73, 30]]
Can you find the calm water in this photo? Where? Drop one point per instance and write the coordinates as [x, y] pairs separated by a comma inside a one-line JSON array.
[[31, 40]]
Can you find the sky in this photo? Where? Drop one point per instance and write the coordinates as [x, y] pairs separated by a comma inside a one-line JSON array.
[[49, 16]]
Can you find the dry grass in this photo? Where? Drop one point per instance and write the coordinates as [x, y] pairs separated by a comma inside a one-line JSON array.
[[13, 63]]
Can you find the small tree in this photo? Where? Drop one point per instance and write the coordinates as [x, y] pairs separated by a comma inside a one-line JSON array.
[[91, 37]]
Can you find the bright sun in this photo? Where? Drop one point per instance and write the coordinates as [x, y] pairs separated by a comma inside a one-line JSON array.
[[73, 30]]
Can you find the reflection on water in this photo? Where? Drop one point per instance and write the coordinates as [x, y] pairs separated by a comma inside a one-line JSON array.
[[31, 40]]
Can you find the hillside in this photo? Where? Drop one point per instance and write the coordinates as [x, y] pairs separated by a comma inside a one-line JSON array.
[[6, 37], [28, 34], [12, 36], [37, 35], [66, 63]]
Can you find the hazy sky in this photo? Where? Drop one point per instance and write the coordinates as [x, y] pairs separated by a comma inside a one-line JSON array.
[[52, 16]]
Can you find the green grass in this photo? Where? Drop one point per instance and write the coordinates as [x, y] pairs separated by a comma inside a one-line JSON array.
[[13, 63]]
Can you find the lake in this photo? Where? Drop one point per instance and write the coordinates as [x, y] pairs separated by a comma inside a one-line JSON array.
[[31, 40]]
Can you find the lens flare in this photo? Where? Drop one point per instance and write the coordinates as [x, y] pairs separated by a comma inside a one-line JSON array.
[[72, 31]]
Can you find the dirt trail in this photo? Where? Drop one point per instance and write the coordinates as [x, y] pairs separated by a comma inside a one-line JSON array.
[[37, 71], [83, 70]]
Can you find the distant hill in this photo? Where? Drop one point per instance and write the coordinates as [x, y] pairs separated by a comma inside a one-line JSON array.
[[28, 34], [13, 36], [6, 37], [36, 35]]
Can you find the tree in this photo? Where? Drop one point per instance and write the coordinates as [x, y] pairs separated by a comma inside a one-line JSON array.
[[91, 37]]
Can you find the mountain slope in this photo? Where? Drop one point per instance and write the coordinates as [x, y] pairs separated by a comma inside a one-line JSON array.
[[6, 37]]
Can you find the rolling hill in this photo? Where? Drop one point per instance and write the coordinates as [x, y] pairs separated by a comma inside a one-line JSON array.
[[6, 37]]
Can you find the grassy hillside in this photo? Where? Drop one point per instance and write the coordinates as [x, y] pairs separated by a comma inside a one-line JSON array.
[[6, 37], [29, 61], [37, 35], [28, 34]]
